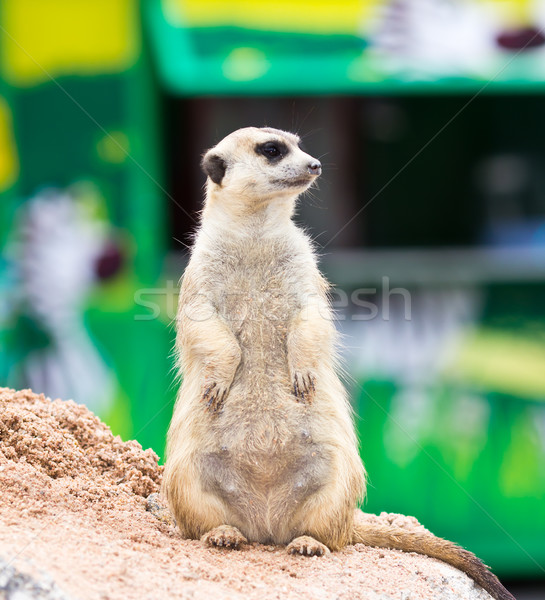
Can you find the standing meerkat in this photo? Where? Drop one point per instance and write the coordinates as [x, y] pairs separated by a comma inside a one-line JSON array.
[[262, 446]]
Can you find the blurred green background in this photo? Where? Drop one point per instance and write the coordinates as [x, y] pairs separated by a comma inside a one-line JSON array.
[[428, 117]]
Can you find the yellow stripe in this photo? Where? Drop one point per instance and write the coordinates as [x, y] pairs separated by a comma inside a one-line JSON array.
[[67, 37], [504, 362], [513, 13], [9, 162], [304, 16]]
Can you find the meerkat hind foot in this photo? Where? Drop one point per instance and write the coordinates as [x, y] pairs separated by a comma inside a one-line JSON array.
[[224, 536], [307, 546]]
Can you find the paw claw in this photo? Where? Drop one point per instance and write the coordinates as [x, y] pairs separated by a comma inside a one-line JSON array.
[[307, 546], [224, 536], [214, 395], [304, 387], [208, 390]]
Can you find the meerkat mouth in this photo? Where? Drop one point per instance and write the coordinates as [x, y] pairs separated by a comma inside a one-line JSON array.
[[300, 182]]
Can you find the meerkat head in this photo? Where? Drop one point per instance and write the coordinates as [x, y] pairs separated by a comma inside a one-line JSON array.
[[258, 165]]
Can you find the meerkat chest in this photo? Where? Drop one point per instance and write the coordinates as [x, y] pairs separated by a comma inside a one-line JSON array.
[[256, 283]]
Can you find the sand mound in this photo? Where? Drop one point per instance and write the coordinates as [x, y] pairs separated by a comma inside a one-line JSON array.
[[56, 440], [73, 524]]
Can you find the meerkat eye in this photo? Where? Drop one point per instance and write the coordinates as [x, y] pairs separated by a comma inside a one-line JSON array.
[[272, 150]]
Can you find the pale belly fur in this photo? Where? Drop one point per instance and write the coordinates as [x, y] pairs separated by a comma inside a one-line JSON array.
[[266, 460]]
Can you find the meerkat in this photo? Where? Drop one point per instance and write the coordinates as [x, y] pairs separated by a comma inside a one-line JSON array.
[[262, 445]]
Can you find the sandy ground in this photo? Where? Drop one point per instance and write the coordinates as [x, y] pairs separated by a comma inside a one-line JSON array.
[[74, 524]]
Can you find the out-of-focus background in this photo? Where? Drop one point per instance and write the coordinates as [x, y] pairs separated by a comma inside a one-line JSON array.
[[429, 118]]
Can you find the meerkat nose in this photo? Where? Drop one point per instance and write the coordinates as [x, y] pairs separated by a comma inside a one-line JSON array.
[[315, 167]]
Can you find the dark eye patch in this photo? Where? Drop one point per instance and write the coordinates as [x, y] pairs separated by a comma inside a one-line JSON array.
[[272, 151]]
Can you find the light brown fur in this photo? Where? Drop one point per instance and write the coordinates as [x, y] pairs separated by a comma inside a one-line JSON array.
[[261, 445]]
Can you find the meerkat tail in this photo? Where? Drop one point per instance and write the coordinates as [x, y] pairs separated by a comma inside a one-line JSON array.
[[384, 536]]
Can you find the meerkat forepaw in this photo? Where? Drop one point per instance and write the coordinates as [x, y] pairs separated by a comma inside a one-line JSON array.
[[224, 536], [307, 546], [214, 396], [304, 386]]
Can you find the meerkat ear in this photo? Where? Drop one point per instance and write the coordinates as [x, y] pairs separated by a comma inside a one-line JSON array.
[[214, 166]]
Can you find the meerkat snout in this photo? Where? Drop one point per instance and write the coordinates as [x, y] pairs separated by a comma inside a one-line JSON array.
[[315, 168]]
